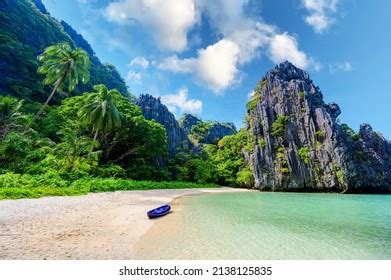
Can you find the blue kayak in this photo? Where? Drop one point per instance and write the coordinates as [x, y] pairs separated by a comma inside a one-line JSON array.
[[159, 212]]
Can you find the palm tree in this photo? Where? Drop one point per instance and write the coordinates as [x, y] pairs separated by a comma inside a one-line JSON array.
[[11, 116], [61, 64], [100, 110], [74, 149]]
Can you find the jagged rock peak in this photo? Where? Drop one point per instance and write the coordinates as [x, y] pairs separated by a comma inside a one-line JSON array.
[[153, 109], [287, 71]]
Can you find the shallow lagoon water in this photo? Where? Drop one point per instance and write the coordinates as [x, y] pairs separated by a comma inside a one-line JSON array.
[[260, 225]]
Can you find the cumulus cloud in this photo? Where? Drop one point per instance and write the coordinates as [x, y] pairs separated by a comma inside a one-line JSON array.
[[241, 38], [320, 13], [140, 61], [228, 18], [179, 102], [285, 47], [251, 39], [215, 66], [218, 66], [168, 20]]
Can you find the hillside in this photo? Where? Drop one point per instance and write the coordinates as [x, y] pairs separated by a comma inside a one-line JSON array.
[[25, 31]]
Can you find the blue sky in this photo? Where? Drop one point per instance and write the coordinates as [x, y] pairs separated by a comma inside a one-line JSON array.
[[205, 57]]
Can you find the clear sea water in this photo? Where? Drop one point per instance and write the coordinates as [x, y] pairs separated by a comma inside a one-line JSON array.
[[259, 225]]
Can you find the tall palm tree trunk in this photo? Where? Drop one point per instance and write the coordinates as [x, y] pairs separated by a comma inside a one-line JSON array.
[[58, 83], [94, 139]]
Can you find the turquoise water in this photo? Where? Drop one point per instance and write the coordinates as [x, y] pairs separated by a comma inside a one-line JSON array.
[[254, 225]]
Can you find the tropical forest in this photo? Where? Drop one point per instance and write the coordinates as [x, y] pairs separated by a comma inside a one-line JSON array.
[[69, 125]]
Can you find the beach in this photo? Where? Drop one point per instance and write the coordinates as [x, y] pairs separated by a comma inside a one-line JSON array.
[[94, 226]]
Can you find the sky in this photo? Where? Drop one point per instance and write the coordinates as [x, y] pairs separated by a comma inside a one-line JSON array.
[[205, 57]]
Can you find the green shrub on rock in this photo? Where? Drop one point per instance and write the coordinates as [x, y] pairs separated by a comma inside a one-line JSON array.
[[245, 178], [304, 154], [279, 126]]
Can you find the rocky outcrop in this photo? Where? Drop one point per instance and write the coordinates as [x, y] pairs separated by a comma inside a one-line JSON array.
[[187, 121], [298, 144], [153, 109], [209, 132], [369, 161], [217, 131]]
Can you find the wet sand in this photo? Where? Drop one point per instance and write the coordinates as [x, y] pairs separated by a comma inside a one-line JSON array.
[[94, 226]]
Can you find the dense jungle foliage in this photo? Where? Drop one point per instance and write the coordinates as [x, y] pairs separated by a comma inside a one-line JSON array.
[[89, 136], [24, 34]]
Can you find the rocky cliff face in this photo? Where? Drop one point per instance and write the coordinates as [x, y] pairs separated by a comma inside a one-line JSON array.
[[368, 161], [209, 132], [298, 144], [153, 109]]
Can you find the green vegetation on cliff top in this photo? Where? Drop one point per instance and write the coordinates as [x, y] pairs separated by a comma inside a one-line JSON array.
[[24, 33]]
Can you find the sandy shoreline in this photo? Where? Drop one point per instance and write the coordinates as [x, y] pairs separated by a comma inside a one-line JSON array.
[[94, 226]]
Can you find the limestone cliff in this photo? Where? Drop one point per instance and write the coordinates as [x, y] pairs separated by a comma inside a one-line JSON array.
[[299, 145], [205, 132], [153, 109]]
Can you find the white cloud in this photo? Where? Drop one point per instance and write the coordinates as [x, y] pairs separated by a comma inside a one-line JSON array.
[[241, 38], [251, 39], [340, 66], [320, 13], [216, 66], [177, 65], [180, 102], [168, 20], [228, 18], [140, 61], [285, 47], [134, 77]]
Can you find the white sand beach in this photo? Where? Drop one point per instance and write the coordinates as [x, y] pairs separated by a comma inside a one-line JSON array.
[[94, 226]]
